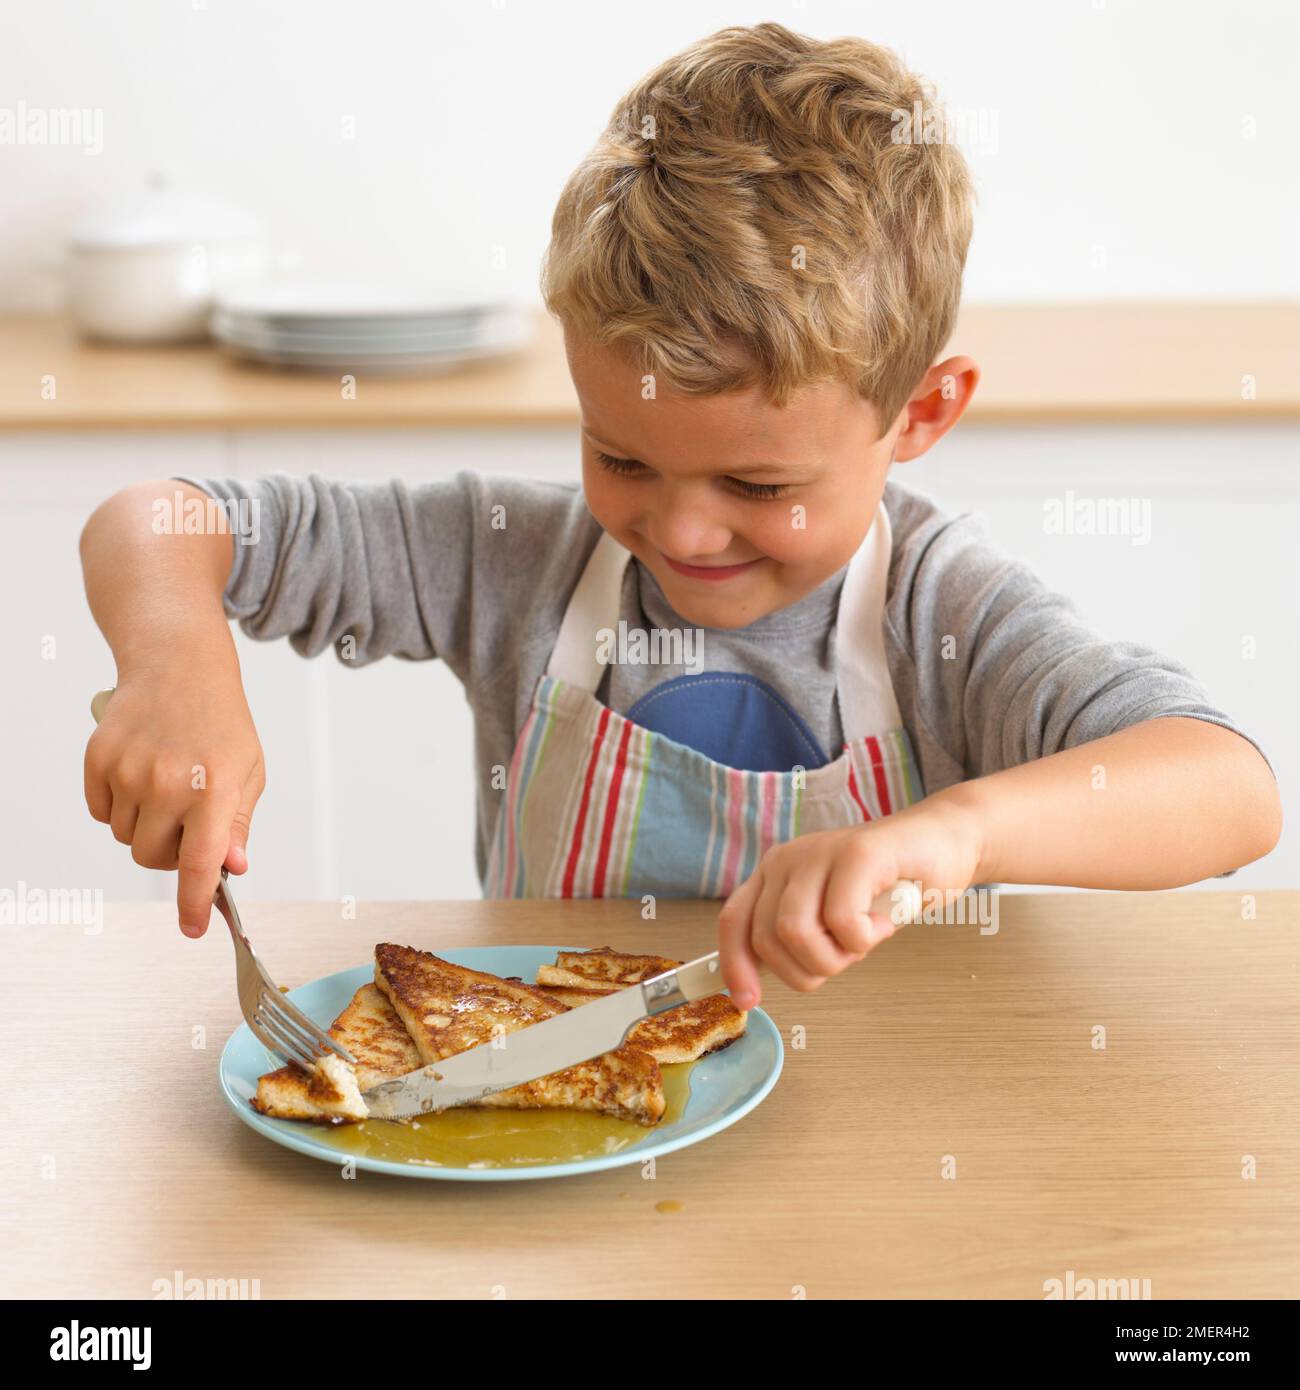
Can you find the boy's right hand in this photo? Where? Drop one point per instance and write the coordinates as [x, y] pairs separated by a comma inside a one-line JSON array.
[[175, 767]]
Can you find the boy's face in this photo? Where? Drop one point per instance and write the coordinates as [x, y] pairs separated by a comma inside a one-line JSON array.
[[736, 507]]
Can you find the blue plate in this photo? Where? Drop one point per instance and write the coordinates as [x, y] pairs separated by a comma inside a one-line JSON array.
[[724, 1086]]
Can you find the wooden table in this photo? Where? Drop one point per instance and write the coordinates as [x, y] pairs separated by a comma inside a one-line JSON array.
[[123, 1164], [1040, 362]]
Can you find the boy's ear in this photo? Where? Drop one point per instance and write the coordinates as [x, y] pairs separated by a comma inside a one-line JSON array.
[[936, 405]]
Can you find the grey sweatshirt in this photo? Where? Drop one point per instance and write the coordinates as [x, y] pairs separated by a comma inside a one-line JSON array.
[[477, 570]]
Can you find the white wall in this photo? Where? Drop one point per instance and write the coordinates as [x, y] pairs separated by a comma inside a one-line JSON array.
[[1154, 135]]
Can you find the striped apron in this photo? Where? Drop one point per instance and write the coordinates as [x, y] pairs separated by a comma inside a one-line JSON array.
[[595, 806]]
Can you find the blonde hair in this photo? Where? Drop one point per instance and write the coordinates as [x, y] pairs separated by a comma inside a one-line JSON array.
[[679, 236]]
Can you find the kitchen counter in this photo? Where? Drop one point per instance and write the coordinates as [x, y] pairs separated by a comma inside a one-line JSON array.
[[1041, 363], [946, 1047]]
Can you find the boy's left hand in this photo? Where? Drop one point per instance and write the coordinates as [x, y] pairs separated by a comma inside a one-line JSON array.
[[803, 911]]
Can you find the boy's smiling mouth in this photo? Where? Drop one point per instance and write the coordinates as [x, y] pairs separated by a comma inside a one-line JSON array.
[[708, 572]]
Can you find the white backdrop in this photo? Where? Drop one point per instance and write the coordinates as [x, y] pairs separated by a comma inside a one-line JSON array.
[[1122, 148]]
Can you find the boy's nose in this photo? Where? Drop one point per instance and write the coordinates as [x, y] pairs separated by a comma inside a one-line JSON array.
[[687, 551], [684, 533]]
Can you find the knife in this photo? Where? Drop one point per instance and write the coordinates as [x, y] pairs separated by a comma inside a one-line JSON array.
[[590, 1030]]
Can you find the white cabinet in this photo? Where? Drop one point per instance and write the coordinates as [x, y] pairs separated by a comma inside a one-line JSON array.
[[370, 777]]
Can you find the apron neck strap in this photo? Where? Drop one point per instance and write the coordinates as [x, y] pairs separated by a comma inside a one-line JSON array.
[[864, 689], [595, 604]]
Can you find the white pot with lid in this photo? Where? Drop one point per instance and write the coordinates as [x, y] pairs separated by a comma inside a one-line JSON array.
[[146, 270]]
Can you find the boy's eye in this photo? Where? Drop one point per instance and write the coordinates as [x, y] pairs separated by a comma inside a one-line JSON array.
[[620, 466], [759, 489], [626, 467]]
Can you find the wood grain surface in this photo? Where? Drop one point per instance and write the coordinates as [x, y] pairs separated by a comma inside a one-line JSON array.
[[1040, 363], [947, 1046]]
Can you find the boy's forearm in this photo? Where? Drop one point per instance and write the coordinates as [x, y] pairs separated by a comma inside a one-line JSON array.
[[153, 593], [1158, 805]]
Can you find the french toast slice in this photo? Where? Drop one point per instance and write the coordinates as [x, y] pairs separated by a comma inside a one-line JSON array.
[[331, 1092], [571, 996], [602, 965], [690, 1031], [682, 1034], [447, 1009]]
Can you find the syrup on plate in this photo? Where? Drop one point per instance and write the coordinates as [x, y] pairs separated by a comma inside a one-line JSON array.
[[505, 1138]]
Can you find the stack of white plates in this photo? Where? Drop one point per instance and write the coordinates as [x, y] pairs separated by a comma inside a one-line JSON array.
[[375, 328]]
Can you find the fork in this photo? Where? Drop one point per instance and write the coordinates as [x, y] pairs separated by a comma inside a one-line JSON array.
[[281, 1027], [278, 1025]]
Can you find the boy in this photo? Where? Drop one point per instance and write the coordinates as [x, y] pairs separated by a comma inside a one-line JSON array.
[[755, 276]]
